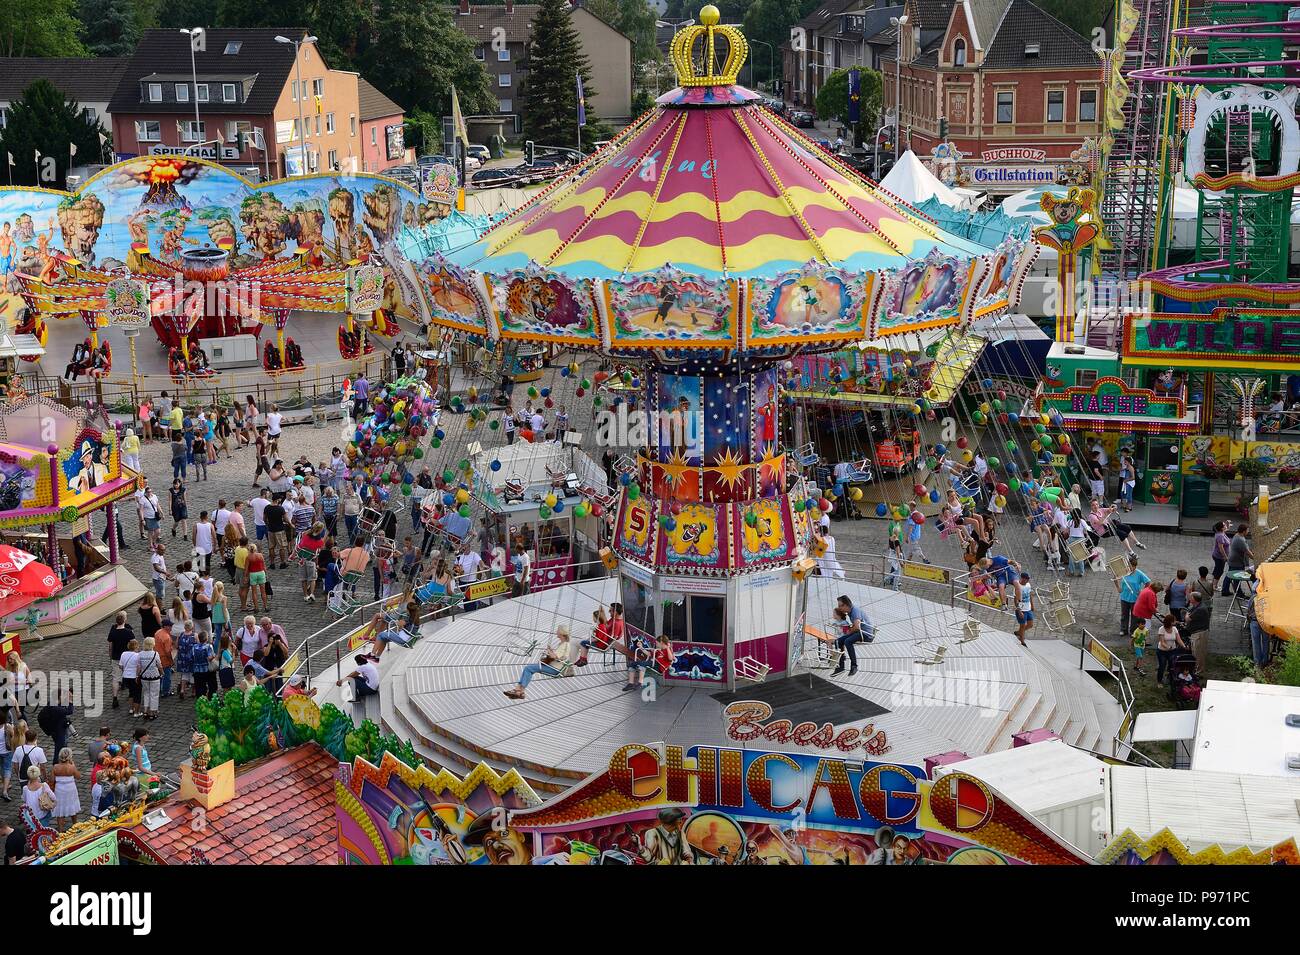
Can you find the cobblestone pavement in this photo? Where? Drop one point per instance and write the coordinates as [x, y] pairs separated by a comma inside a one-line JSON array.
[[1094, 597]]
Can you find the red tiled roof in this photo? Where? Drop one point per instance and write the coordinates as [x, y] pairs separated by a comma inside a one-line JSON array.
[[282, 814]]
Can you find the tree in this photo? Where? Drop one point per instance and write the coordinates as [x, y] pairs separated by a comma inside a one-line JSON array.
[[833, 98], [39, 28], [769, 21], [1081, 16], [555, 60], [43, 119], [415, 54], [191, 13], [110, 27], [634, 19]]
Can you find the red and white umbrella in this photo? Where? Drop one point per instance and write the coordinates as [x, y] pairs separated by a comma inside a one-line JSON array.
[[23, 579]]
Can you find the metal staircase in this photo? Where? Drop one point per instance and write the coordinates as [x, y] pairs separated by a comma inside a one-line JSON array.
[[1132, 184]]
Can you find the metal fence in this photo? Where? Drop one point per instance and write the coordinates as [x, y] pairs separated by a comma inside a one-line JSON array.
[[1279, 538]]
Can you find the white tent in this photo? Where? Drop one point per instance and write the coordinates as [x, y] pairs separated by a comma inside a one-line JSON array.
[[910, 181]]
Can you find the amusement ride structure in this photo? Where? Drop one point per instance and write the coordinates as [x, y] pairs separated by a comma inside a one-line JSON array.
[[703, 251]]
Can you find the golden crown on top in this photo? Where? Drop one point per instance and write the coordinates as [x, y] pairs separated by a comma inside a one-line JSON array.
[[689, 73]]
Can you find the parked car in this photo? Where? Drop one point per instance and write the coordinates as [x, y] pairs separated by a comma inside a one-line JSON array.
[[539, 171], [492, 178], [479, 152]]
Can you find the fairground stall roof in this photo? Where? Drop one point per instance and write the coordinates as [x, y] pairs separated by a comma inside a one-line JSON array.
[[711, 222]]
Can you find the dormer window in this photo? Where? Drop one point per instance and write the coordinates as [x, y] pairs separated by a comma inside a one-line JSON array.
[[1031, 51], [959, 52], [232, 47]]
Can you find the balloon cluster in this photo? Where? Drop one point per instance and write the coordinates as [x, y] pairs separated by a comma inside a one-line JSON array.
[[388, 439]]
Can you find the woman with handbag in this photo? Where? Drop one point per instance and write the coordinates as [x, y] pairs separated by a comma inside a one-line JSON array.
[[38, 796], [226, 664], [554, 660], [150, 665]]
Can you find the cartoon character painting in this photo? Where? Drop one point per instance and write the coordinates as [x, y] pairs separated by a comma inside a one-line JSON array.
[[87, 468], [926, 288], [1162, 487]]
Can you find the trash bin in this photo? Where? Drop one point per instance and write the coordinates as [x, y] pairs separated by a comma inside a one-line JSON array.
[[319, 415], [1196, 496]]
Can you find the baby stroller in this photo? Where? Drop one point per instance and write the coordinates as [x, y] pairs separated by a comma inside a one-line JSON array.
[[1184, 680]]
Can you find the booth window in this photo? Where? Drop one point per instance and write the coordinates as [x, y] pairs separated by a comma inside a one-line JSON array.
[[553, 539], [1162, 455], [638, 613], [693, 618]]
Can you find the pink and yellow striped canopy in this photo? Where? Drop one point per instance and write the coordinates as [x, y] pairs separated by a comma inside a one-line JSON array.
[[725, 189]]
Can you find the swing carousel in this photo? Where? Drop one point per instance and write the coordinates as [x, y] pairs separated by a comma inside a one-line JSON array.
[[703, 252]]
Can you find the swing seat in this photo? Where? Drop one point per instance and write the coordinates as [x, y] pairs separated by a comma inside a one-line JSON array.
[[339, 603], [806, 456], [624, 464], [369, 519], [383, 548], [304, 554], [521, 646], [747, 668], [352, 577]]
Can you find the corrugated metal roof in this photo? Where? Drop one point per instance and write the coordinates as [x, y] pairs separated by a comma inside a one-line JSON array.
[[1204, 808]]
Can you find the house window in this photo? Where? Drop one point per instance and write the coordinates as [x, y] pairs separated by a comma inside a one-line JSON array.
[[155, 92], [87, 111], [4, 117], [503, 56], [329, 122], [1056, 106], [193, 132], [478, 52], [182, 92], [506, 105], [1006, 106], [318, 126], [294, 87], [503, 80], [296, 132], [228, 92], [313, 161], [148, 131], [317, 87], [233, 47], [334, 159], [1085, 377], [374, 135], [203, 92], [1087, 106], [352, 123], [959, 52]]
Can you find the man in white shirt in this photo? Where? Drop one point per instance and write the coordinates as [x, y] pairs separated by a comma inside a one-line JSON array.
[[221, 520], [1102, 457], [306, 493], [538, 424], [523, 566], [365, 678], [259, 504]]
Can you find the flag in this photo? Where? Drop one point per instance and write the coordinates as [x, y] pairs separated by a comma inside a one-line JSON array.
[[458, 120], [103, 140], [582, 103], [72, 150], [855, 96], [318, 105], [11, 160], [38, 157]]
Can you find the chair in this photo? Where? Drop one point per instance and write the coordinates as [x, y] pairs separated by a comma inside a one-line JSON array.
[[340, 602], [806, 456], [369, 519], [520, 645], [747, 668]]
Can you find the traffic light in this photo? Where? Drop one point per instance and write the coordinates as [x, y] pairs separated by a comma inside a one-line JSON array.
[[530, 152], [943, 129]]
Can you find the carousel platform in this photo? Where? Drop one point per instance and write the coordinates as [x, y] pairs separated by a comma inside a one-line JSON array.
[[445, 692]]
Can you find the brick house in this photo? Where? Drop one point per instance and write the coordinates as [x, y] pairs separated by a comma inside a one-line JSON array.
[[247, 92], [1017, 87]]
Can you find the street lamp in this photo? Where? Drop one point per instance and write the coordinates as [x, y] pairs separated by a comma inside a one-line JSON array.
[[196, 37], [770, 75], [302, 125], [898, 23]]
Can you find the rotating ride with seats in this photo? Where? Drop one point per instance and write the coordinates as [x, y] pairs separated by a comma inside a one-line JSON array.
[[705, 250]]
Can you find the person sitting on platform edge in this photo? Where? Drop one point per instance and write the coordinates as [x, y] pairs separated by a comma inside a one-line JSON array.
[[854, 626], [365, 678], [553, 661]]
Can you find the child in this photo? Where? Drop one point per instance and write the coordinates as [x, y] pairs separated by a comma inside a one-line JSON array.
[[894, 578], [1053, 552], [1139, 644], [663, 656]]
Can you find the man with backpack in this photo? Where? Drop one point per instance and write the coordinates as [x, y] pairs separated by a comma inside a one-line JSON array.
[[29, 755], [56, 719]]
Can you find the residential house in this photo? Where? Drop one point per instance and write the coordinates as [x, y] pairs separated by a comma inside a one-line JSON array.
[[502, 35], [834, 36], [1019, 89], [245, 103], [382, 142], [89, 81]]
